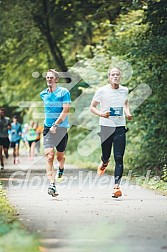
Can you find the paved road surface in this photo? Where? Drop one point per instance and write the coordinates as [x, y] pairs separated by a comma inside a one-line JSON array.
[[84, 217]]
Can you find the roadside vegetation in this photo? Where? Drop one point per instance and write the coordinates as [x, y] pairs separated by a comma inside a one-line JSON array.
[[131, 34], [13, 235]]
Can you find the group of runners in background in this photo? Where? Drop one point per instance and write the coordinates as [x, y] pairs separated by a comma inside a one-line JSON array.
[[12, 132]]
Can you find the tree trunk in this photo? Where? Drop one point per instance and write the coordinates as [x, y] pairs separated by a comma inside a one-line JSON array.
[[44, 26], [56, 52]]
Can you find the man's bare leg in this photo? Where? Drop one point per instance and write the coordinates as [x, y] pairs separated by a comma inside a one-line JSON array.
[[17, 153], [61, 161], [14, 154], [49, 152], [1, 157], [6, 152]]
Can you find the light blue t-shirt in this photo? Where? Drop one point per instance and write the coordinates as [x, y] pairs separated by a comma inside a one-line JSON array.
[[15, 132], [53, 105]]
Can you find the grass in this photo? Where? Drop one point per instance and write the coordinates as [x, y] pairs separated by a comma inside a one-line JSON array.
[[13, 235], [154, 183]]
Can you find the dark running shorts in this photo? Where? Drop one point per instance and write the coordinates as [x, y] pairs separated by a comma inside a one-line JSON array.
[[57, 140], [30, 142], [13, 144], [4, 142]]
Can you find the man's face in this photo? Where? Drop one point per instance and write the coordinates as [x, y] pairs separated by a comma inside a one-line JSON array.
[[2, 113], [14, 119], [50, 79], [114, 76]]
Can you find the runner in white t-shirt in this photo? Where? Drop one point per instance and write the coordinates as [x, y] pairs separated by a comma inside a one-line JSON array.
[[113, 108]]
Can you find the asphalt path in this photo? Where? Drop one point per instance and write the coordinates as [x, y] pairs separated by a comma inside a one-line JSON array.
[[84, 217]]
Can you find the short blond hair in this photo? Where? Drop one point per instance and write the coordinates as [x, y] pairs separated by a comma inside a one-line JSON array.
[[56, 74]]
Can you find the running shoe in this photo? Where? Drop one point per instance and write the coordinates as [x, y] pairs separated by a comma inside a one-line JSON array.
[[52, 190], [117, 192], [102, 168], [59, 174], [17, 161]]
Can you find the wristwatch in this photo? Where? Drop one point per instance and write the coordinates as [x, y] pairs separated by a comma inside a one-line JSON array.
[[55, 125]]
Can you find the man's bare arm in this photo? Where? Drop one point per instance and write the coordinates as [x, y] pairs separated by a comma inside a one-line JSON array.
[[62, 116], [95, 111], [127, 110]]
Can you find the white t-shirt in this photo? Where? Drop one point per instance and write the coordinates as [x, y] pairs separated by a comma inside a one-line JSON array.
[[112, 100]]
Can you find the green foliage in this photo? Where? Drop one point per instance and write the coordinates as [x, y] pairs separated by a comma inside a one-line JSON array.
[[147, 132], [154, 183], [42, 34], [18, 241], [13, 237], [164, 176], [156, 17], [7, 213]]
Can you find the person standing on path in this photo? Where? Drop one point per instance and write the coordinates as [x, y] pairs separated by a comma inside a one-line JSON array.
[[5, 125], [113, 108], [15, 136], [56, 105]]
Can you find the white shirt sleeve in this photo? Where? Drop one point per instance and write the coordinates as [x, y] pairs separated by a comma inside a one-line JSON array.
[[97, 96]]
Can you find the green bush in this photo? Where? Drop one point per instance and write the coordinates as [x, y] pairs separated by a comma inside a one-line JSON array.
[[13, 236]]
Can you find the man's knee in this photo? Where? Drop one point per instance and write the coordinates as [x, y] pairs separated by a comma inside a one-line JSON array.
[[50, 157], [5, 150], [118, 159], [49, 153], [60, 157]]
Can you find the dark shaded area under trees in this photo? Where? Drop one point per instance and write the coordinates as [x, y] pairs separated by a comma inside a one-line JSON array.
[[37, 35]]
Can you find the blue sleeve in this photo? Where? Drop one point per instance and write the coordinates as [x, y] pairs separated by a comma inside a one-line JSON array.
[[66, 97], [41, 96], [20, 129]]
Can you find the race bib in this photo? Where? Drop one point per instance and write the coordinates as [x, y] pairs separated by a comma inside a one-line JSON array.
[[116, 111]]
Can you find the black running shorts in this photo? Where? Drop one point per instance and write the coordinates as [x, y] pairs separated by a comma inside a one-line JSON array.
[[4, 142]]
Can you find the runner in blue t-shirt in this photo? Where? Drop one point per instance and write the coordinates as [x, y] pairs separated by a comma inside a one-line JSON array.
[[56, 106], [15, 136]]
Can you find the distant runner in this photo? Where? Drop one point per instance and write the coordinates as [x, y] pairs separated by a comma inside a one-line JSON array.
[[15, 137], [5, 125]]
